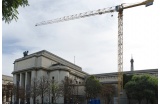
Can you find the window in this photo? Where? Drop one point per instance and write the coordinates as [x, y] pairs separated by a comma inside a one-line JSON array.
[[52, 77]]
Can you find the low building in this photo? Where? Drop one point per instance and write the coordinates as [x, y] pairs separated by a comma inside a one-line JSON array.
[[6, 80], [112, 78]]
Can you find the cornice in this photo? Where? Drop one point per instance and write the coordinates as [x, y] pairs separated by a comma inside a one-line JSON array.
[[53, 57], [63, 68], [29, 69], [126, 72]]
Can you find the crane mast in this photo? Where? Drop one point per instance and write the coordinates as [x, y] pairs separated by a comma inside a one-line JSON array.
[[118, 9], [120, 53]]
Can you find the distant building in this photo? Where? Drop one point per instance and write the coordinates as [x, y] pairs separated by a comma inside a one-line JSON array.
[[112, 78], [5, 80]]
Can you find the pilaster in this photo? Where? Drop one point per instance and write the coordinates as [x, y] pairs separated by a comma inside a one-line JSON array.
[[14, 78], [33, 75]]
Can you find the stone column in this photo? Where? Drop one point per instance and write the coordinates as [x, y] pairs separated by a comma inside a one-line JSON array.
[[26, 79], [14, 78], [33, 76], [20, 82]]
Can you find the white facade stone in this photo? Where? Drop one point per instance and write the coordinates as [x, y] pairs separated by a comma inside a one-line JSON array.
[[25, 64], [33, 74], [46, 64]]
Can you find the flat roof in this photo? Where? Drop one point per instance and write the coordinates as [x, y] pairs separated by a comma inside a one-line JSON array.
[[127, 72]]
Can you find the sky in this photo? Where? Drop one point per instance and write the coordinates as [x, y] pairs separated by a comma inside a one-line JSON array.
[[92, 40]]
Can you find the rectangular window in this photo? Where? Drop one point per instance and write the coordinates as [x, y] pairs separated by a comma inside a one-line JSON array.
[[52, 77]]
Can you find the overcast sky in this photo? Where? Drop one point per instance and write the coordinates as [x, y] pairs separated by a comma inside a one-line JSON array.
[[92, 40]]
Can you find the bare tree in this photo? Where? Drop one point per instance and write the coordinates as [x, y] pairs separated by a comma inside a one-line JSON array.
[[43, 87], [49, 89], [56, 90], [33, 90], [18, 92], [28, 93], [14, 92], [22, 94], [3, 92], [10, 90], [68, 90], [107, 92], [7, 90]]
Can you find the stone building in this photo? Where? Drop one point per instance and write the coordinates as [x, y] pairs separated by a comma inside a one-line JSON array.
[[6, 80], [44, 63]]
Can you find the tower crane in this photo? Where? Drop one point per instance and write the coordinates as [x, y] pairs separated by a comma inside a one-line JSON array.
[[119, 9]]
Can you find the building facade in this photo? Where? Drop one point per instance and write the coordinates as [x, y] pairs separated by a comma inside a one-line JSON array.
[[6, 81], [44, 63]]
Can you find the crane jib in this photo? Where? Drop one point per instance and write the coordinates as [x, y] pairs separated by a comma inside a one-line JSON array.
[[118, 8]]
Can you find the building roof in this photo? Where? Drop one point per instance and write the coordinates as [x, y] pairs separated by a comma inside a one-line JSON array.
[[60, 63], [147, 71], [6, 79], [52, 57]]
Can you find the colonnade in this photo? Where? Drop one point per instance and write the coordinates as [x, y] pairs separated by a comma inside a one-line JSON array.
[[24, 80]]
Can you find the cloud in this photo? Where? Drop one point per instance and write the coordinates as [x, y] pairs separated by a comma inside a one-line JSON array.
[[92, 40]]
